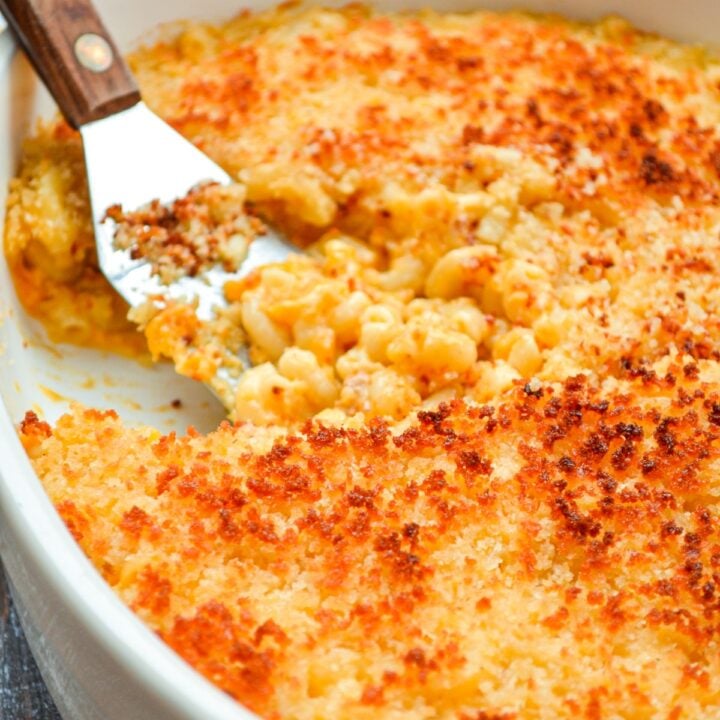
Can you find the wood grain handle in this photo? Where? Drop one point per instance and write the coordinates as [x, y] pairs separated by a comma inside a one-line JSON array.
[[74, 55]]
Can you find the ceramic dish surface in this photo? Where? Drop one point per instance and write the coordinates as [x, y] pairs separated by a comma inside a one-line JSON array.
[[98, 659]]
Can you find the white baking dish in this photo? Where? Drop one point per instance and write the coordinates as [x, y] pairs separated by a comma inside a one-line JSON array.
[[99, 661]]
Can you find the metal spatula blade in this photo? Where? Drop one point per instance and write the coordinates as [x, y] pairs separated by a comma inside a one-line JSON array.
[[132, 156]]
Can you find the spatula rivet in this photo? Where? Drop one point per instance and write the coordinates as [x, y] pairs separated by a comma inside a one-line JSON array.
[[93, 52]]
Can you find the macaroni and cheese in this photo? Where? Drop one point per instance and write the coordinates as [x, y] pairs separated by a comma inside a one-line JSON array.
[[472, 472]]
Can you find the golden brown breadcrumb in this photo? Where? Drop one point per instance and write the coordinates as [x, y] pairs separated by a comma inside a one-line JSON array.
[[552, 556], [206, 227]]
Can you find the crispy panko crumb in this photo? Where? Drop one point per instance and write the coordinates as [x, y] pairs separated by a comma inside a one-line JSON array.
[[206, 227], [552, 556]]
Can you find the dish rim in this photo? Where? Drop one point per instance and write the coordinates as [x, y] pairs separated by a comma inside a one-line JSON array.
[[27, 515]]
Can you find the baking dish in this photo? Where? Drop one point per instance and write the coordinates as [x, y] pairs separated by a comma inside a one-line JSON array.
[[98, 659]]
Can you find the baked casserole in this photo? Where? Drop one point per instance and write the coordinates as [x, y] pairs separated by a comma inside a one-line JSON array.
[[472, 472]]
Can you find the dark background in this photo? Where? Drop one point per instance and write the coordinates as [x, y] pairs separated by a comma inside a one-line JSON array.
[[22, 692]]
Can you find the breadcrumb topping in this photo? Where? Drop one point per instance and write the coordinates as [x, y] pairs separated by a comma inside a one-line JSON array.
[[552, 556], [208, 226]]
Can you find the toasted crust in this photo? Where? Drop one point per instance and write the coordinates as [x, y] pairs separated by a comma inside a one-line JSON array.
[[206, 227], [552, 556]]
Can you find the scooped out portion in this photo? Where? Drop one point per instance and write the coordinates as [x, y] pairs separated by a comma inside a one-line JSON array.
[[473, 470]]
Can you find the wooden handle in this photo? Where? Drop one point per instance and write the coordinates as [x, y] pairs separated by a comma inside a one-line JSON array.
[[74, 55]]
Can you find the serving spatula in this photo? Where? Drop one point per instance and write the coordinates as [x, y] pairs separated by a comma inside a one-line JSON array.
[[132, 156]]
